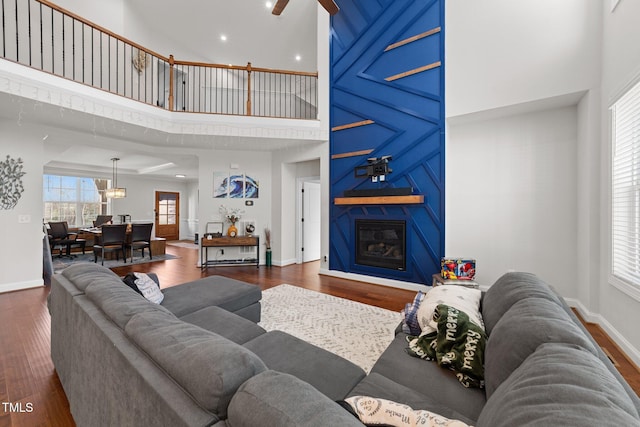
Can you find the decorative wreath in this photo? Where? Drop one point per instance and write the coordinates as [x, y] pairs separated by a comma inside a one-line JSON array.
[[11, 187]]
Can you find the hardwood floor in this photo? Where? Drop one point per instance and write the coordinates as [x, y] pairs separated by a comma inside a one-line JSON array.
[[28, 381]]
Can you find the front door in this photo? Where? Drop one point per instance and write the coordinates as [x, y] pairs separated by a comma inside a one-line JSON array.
[[168, 215]]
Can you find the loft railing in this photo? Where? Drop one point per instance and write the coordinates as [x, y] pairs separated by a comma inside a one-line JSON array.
[[43, 36]]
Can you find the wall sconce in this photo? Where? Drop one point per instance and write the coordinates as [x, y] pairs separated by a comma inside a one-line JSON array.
[[115, 192]]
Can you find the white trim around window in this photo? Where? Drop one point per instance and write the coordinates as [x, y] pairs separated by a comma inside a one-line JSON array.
[[624, 192]]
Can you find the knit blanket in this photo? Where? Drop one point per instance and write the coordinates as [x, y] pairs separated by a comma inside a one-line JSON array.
[[458, 345]]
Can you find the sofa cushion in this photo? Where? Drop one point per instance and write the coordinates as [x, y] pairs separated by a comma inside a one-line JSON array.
[[526, 325], [206, 365], [220, 291], [376, 385], [118, 301], [560, 385], [330, 374], [509, 289], [224, 323], [84, 273], [426, 377], [278, 399]]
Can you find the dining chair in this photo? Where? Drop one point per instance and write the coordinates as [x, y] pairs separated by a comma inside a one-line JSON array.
[[60, 237], [140, 238], [102, 219], [112, 239]]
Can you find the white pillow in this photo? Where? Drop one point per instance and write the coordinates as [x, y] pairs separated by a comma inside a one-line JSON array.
[[373, 411], [149, 289], [460, 297]]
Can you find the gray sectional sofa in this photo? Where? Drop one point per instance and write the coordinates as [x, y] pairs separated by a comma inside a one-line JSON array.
[[200, 359]]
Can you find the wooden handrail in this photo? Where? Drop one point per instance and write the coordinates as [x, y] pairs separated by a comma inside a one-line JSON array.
[[101, 29], [245, 68], [167, 59], [224, 88]]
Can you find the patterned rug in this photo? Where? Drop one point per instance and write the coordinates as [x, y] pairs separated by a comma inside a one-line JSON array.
[[355, 331], [60, 264]]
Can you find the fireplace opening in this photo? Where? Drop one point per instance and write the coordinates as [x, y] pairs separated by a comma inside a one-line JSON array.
[[381, 243]]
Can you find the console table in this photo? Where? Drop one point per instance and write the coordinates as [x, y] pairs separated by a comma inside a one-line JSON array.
[[223, 242]]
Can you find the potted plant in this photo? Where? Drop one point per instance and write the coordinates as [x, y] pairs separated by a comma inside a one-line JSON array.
[[232, 215], [267, 242]]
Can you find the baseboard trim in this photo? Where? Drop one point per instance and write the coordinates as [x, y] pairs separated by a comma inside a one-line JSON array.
[[285, 262], [376, 280], [19, 286], [627, 348]]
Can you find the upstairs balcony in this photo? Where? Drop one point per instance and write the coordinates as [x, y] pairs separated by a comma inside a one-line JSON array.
[[49, 39]]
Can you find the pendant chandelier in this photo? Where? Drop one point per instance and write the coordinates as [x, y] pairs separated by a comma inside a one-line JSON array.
[[115, 192]]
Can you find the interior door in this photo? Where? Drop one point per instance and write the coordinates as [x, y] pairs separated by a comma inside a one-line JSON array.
[[311, 221], [168, 215]]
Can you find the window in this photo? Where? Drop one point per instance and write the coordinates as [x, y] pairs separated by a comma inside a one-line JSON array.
[[77, 200], [625, 189]]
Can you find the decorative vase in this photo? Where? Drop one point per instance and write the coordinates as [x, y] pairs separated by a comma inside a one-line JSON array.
[[268, 258], [232, 231]]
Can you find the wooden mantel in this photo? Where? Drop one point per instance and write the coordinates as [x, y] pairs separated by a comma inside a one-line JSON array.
[[381, 200]]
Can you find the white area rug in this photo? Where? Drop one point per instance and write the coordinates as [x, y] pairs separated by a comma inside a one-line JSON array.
[[355, 331]]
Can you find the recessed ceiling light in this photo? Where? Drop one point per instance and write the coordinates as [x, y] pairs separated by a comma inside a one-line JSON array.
[[298, 57], [223, 38], [268, 4], [180, 175]]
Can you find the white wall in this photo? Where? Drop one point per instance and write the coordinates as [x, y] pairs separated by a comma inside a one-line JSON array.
[[511, 195], [108, 14], [503, 52], [21, 251], [258, 166], [287, 166]]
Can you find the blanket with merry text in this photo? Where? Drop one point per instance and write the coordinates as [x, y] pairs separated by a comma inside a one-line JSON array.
[[458, 344]]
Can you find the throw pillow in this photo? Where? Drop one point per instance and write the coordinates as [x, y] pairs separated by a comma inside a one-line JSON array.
[[459, 297], [130, 281], [148, 288], [381, 412], [410, 323]]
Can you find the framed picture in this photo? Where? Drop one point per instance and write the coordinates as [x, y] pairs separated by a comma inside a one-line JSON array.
[[235, 186], [251, 187], [214, 229], [220, 185]]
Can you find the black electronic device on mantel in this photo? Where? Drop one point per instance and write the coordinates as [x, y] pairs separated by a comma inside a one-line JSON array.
[[377, 166]]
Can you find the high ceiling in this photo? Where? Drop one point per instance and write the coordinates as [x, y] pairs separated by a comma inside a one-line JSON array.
[[191, 30], [79, 142]]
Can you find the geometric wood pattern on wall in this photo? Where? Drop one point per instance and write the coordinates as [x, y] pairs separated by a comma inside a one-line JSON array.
[[387, 71]]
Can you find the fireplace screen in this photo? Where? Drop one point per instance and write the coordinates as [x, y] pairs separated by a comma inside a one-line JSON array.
[[381, 243]]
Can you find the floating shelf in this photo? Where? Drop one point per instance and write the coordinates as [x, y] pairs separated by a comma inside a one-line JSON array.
[[380, 200]]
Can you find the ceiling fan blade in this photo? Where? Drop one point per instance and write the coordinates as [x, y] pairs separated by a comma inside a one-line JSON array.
[[279, 7], [330, 6]]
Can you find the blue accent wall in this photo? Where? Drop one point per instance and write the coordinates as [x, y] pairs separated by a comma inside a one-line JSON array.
[[401, 90]]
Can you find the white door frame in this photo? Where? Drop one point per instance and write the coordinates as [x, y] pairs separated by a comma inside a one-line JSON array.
[[299, 237]]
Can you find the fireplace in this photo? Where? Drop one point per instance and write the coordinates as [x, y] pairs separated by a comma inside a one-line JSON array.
[[381, 243]]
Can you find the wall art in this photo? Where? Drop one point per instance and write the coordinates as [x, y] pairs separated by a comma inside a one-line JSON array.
[[11, 187], [235, 186]]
